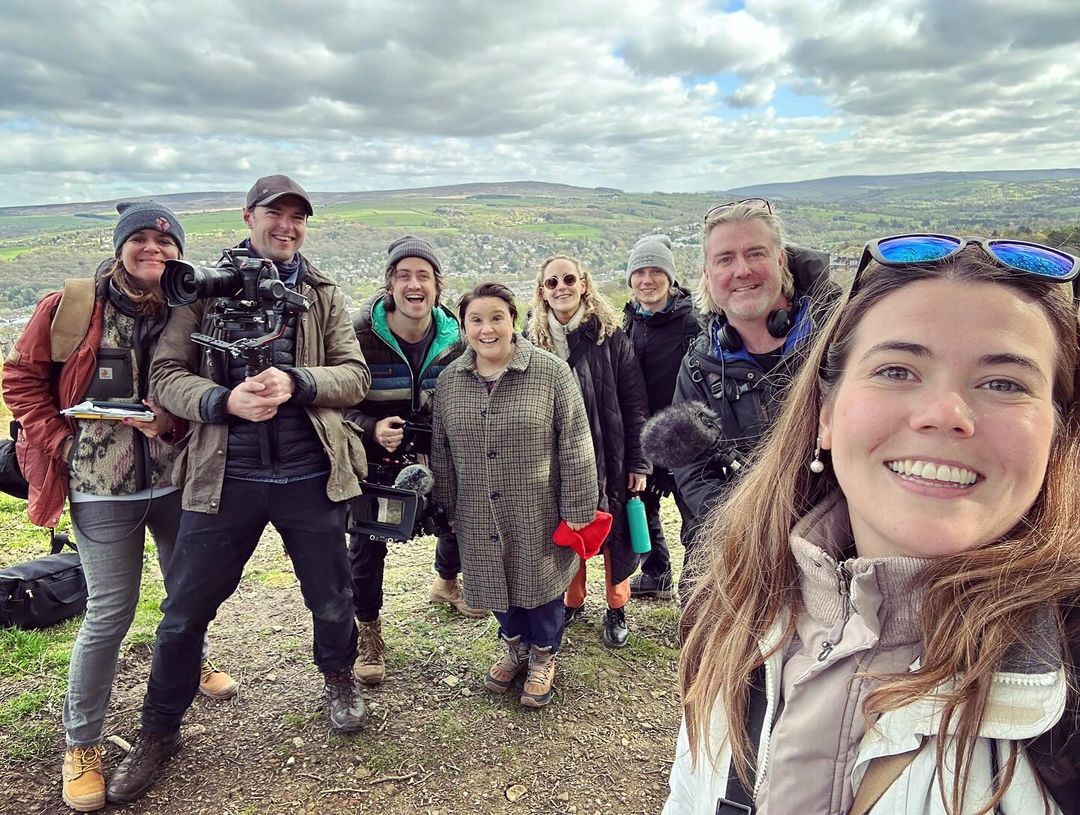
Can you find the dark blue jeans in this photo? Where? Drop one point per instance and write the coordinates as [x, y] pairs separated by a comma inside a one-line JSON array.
[[208, 562], [541, 626], [367, 562]]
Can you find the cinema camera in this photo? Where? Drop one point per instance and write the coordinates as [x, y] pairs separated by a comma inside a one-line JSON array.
[[396, 504], [250, 299]]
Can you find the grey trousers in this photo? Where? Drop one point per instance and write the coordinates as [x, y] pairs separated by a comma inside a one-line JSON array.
[[110, 537]]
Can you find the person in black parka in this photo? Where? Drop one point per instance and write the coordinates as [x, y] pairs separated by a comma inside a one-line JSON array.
[[573, 320], [661, 322]]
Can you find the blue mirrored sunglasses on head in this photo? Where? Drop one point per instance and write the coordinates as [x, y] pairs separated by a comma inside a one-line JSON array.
[[1028, 259]]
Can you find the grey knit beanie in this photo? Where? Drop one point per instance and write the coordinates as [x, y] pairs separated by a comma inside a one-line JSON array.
[[410, 246], [138, 215], [652, 250]]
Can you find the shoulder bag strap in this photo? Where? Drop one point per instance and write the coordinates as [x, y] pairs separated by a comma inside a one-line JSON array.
[[587, 338], [881, 774], [72, 318], [738, 800]]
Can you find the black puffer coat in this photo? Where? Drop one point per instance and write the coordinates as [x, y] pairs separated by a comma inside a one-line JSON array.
[[660, 342], [746, 398], [617, 407]]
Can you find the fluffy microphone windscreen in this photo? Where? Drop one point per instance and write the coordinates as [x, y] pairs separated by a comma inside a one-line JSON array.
[[679, 434], [415, 478]]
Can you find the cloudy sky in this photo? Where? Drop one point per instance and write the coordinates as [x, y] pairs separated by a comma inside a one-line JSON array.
[[105, 99]]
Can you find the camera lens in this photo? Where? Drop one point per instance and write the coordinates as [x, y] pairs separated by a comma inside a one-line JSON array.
[[183, 283]]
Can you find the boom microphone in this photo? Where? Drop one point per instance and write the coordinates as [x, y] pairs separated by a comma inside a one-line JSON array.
[[415, 478], [681, 433]]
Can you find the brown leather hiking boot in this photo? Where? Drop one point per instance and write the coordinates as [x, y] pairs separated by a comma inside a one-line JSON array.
[[140, 766], [84, 785], [370, 665], [541, 677], [449, 591], [216, 684], [513, 663]]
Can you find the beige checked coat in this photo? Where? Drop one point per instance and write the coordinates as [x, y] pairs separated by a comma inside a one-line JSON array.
[[508, 466]]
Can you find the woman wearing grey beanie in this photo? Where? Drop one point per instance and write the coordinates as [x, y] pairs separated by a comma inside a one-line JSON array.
[[115, 473]]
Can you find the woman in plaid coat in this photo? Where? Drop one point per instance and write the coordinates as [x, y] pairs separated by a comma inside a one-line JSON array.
[[512, 455]]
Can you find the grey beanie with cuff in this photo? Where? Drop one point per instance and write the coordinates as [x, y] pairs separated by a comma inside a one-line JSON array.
[[138, 215], [410, 246], [655, 251]]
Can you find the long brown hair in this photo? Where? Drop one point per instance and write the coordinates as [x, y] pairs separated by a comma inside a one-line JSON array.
[[596, 305], [971, 610]]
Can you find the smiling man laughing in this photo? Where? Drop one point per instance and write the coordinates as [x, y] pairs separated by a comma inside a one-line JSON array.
[[763, 301]]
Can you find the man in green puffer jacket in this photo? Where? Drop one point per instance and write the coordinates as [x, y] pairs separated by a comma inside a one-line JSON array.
[[408, 338]]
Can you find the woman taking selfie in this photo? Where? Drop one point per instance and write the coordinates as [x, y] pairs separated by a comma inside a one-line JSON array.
[[879, 630], [511, 454], [115, 473]]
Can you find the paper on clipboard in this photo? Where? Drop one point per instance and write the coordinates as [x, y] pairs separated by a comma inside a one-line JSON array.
[[115, 411]]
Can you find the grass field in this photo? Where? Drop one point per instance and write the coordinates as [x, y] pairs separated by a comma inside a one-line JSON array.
[[380, 217], [12, 252]]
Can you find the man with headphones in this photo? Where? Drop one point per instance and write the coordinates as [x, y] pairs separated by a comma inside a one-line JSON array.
[[763, 301]]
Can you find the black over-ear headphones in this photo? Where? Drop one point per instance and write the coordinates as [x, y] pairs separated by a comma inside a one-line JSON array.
[[778, 323]]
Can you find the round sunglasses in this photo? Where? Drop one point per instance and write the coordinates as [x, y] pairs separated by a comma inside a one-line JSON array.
[[568, 279]]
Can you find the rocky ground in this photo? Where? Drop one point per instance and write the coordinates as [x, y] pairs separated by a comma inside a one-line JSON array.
[[437, 743]]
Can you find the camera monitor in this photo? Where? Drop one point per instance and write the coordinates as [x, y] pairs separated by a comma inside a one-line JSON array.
[[383, 513]]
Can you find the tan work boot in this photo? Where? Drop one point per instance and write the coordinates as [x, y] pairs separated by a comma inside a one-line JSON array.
[[216, 684], [84, 785], [541, 677], [370, 665], [449, 591], [513, 663]]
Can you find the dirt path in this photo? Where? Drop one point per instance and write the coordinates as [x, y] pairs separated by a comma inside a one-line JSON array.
[[437, 742]]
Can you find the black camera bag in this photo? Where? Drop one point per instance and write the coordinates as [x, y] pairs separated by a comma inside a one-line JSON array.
[[45, 591]]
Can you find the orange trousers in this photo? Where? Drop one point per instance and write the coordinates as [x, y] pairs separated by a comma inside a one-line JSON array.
[[617, 596]]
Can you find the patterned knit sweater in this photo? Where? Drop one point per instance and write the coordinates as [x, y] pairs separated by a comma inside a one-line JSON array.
[[110, 458]]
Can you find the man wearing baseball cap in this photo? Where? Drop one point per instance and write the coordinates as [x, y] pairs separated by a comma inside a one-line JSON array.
[[270, 448], [661, 322]]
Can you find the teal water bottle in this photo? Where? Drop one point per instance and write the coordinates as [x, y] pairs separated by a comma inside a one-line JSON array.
[[639, 526]]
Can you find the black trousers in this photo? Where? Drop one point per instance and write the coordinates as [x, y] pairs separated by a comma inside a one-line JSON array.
[[208, 562], [658, 561], [367, 562]]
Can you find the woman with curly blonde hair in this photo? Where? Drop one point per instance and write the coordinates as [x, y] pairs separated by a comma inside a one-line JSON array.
[[880, 627], [573, 320]]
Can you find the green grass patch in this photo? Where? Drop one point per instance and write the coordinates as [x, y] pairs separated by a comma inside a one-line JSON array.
[[43, 653], [213, 222], [271, 577], [379, 756], [24, 705], [12, 252], [370, 216], [28, 741]]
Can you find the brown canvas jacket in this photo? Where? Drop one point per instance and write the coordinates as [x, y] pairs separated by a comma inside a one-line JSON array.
[[325, 346]]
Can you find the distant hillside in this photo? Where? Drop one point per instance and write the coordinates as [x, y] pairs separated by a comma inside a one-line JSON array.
[[216, 200], [854, 187]]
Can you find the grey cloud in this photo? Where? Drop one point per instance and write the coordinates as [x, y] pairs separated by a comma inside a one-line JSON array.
[[137, 97]]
